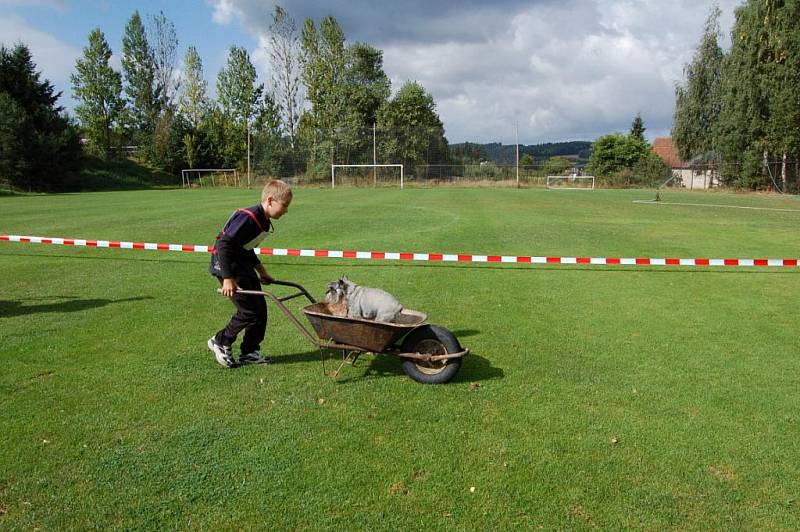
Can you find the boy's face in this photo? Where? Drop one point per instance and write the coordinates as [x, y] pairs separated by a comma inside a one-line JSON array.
[[274, 208]]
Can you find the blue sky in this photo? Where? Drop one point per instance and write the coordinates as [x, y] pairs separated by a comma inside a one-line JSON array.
[[560, 69]]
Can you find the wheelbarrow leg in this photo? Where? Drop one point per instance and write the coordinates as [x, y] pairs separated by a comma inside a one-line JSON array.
[[347, 358]]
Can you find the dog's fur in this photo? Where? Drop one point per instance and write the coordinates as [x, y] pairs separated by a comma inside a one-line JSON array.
[[362, 301], [336, 299]]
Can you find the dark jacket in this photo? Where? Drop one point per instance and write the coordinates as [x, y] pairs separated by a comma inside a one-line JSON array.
[[233, 254]]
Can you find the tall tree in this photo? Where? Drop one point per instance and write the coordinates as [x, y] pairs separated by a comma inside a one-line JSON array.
[[284, 56], [414, 133], [193, 102], [367, 86], [164, 44], [269, 147], [782, 76], [39, 147], [237, 91], [324, 62], [741, 131], [139, 72], [637, 128], [98, 90], [697, 98], [238, 96]]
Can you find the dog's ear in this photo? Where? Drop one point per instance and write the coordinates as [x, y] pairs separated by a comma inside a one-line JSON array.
[[345, 280]]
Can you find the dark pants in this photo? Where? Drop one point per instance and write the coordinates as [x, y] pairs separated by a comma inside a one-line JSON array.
[[251, 316]]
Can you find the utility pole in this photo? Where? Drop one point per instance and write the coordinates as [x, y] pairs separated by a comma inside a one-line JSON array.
[[248, 154], [374, 159], [516, 128]]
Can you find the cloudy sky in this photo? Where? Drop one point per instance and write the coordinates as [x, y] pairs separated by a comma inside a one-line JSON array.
[[557, 69]]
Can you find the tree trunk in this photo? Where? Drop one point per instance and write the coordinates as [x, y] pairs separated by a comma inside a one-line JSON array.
[[783, 172]]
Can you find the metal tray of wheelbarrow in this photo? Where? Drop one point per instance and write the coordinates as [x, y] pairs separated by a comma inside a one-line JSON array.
[[370, 335]]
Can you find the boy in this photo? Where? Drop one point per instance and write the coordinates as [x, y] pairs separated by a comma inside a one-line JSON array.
[[234, 264]]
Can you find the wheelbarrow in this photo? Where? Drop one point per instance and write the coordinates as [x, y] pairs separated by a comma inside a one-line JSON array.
[[431, 354]]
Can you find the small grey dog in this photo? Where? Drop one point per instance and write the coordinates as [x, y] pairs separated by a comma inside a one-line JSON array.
[[364, 302]]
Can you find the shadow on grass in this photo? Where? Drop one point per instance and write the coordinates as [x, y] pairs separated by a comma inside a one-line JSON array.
[[473, 368], [68, 304]]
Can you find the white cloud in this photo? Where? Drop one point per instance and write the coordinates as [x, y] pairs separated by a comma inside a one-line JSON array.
[[54, 58], [570, 69], [224, 11]]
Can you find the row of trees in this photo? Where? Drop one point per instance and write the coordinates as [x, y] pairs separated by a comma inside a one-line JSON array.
[[742, 107], [174, 124]]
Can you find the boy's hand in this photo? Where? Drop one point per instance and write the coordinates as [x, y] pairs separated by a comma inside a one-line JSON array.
[[229, 287]]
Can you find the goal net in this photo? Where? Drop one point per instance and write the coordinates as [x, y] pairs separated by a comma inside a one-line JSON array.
[[213, 177], [570, 182], [367, 175]]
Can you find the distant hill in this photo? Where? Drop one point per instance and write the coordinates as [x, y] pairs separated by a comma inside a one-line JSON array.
[[577, 150]]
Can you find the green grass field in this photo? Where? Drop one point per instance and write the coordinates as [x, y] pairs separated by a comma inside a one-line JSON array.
[[593, 397]]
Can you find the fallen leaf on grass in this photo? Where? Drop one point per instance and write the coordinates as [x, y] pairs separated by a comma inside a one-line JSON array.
[[419, 474], [472, 489], [474, 385], [722, 473], [45, 441], [398, 488], [613, 440], [320, 401]]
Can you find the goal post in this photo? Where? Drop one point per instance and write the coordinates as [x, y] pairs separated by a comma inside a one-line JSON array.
[[570, 182], [224, 173], [374, 166]]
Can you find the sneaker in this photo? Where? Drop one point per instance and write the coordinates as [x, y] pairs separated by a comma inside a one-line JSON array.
[[222, 353], [255, 358]]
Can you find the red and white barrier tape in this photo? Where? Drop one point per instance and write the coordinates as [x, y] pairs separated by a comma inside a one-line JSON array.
[[425, 257]]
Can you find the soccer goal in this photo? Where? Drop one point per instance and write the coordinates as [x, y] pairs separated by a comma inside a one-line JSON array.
[[367, 175], [570, 182], [226, 176]]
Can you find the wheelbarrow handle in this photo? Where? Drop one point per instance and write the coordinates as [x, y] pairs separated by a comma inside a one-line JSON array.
[[302, 292]]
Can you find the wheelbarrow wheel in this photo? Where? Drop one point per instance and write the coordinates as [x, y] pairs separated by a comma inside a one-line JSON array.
[[431, 340]]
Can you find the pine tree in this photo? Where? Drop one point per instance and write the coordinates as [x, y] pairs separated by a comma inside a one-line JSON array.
[[637, 128], [39, 147]]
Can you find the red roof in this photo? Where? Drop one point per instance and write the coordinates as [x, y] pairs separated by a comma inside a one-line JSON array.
[[664, 148]]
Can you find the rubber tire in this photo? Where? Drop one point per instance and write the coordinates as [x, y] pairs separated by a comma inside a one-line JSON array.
[[431, 339]]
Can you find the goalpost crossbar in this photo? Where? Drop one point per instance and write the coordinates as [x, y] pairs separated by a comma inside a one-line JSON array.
[[335, 166], [571, 179]]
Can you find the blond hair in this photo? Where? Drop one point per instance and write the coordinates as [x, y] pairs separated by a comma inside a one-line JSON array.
[[279, 191]]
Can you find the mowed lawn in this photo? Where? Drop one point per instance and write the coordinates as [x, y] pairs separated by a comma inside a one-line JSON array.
[[593, 397]]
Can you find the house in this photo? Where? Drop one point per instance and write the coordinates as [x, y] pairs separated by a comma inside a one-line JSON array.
[[691, 177]]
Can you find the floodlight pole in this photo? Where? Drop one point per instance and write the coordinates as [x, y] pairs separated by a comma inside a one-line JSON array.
[[374, 159], [516, 128], [248, 154]]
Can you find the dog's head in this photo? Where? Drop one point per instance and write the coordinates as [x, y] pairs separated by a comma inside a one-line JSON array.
[[336, 292], [347, 285]]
